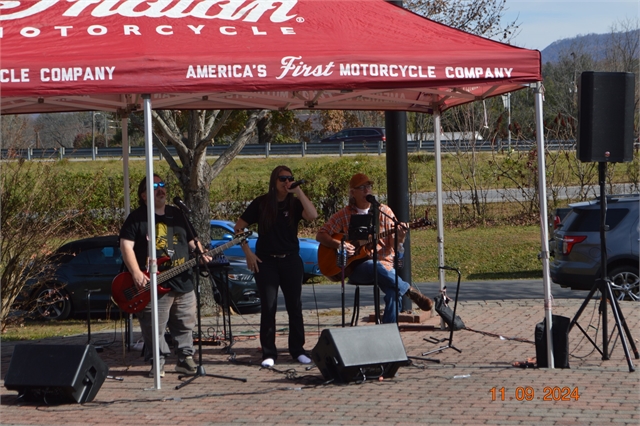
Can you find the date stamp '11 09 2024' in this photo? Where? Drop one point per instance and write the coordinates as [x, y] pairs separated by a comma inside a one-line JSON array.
[[527, 393]]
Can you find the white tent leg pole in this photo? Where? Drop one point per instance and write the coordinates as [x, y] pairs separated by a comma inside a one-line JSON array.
[[127, 201], [439, 214], [151, 220], [125, 164], [544, 227]]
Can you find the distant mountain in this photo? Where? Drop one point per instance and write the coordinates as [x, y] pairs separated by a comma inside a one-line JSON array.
[[593, 43]]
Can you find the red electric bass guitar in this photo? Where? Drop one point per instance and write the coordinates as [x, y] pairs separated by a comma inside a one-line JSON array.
[[131, 300]]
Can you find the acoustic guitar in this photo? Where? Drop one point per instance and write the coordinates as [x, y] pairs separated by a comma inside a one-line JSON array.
[[130, 299], [328, 257]]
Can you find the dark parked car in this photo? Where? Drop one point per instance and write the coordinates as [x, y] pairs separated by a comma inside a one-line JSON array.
[[90, 265], [358, 135], [576, 246]]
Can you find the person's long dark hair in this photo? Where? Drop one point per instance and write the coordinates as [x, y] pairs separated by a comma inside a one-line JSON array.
[[270, 201]]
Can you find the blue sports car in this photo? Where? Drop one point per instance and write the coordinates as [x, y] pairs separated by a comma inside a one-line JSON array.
[[222, 232]]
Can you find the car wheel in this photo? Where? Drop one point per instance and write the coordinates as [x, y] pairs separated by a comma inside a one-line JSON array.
[[625, 283], [52, 303]]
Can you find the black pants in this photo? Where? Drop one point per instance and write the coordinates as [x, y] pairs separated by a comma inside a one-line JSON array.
[[286, 273]]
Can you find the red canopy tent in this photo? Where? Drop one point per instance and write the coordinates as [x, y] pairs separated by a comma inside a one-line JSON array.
[[59, 55], [209, 54]]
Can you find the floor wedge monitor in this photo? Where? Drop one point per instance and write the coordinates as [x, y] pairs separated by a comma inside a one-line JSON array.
[[359, 353], [56, 374]]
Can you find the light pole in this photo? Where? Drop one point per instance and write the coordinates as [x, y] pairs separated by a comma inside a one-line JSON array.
[[93, 132], [93, 135], [506, 102]]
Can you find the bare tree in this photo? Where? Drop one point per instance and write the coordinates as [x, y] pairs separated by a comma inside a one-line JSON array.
[[623, 46], [480, 17], [190, 132], [60, 129], [16, 131]]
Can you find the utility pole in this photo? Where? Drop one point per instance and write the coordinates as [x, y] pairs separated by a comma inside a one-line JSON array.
[[93, 135]]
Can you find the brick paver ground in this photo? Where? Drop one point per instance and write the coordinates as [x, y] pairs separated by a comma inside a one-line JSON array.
[[464, 388]]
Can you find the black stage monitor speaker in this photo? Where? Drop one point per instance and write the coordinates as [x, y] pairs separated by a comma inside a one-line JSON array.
[[358, 353], [56, 373], [605, 117], [560, 340]]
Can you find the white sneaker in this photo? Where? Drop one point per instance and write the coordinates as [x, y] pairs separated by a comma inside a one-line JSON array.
[[268, 362], [303, 359]]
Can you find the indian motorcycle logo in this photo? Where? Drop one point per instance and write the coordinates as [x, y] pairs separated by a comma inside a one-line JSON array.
[[228, 10]]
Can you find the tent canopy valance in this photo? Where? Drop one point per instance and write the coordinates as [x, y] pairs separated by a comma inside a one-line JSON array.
[[210, 54]]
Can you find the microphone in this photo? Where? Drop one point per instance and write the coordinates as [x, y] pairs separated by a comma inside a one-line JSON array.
[[297, 183], [178, 202], [370, 198]]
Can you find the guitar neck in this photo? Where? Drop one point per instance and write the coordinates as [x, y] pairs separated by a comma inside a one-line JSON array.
[[173, 272]]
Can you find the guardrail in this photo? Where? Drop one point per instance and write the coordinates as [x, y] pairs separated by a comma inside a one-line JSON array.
[[293, 149]]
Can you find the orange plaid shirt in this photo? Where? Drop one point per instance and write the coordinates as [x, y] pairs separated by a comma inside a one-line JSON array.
[[339, 224]]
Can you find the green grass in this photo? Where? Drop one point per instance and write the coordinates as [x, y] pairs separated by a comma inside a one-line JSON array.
[[421, 168], [481, 253], [39, 329]]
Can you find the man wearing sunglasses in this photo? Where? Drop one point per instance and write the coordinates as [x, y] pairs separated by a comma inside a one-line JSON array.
[[360, 186], [176, 308]]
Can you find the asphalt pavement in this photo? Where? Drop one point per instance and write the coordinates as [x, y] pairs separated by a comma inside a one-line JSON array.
[[329, 296]]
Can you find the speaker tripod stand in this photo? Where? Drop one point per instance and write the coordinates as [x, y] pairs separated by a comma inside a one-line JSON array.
[[604, 285]]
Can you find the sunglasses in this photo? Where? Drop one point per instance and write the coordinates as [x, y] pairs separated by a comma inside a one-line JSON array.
[[286, 178], [363, 187], [157, 185]]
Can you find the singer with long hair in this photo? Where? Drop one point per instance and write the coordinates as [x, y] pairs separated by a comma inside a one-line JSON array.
[[276, 262], [360, 198]]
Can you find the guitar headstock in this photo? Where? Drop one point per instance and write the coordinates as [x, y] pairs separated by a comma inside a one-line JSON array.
[[242, 235]]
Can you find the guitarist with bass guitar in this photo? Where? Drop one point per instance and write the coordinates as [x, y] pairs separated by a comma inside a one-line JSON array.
[[359, 263], [177, 305]]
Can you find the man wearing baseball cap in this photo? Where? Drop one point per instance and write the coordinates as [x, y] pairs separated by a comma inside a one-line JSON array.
[[362, 269]]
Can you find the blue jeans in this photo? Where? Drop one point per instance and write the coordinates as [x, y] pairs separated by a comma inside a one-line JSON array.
[[363, 273], [176, 311]]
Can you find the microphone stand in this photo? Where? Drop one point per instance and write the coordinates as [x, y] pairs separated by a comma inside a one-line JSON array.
[[342, 263], [374, 240], [200, 372], [396, 260]]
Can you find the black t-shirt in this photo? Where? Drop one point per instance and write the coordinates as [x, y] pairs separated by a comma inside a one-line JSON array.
[[135, 229], [281, 238]]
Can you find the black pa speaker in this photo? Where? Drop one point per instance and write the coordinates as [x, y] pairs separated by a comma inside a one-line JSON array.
[[56, 373], [605, 117], [560, 332], [358, 353]]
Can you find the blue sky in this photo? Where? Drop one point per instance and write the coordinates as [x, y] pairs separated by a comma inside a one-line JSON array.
[[544, 21]]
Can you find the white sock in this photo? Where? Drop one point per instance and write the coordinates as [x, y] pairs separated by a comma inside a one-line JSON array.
[[303, 359]]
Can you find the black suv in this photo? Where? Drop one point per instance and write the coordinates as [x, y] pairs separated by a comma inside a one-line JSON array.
[[576, 246], [358, 134]]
